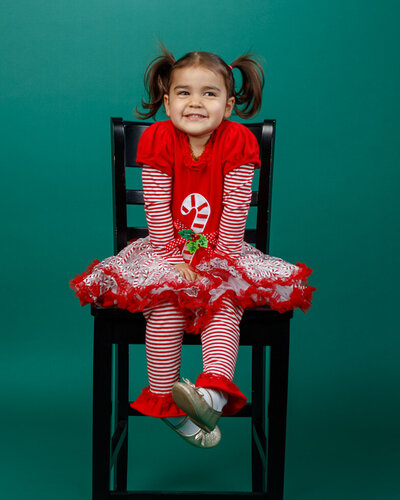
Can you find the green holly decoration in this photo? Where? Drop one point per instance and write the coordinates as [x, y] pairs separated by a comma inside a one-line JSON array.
[[192, 246], [203, 241], [186, 233]]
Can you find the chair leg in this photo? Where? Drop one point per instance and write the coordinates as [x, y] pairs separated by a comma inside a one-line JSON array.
[[258, 439], [121, 396], [101, 411], [279, 367]]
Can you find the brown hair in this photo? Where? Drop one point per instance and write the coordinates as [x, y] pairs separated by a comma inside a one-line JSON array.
[[157, 79]]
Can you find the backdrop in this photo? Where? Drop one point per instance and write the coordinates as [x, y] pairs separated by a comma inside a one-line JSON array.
[[332, 79]]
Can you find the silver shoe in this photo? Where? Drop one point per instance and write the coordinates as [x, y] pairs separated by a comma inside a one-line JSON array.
[[187, 397], [200, 439]]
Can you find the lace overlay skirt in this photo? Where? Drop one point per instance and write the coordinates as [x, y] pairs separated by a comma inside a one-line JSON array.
[[138, 277]]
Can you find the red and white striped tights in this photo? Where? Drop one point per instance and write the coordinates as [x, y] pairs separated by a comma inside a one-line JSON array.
[[164, 330], [164, 333]]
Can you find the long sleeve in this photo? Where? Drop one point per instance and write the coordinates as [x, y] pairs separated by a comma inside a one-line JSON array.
[[236, 202], [157, 189]]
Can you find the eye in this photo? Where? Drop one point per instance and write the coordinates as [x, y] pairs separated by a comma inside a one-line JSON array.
[[210, 93], [183, 92]]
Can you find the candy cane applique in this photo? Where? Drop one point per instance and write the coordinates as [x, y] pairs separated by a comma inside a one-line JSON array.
[[202, 207]]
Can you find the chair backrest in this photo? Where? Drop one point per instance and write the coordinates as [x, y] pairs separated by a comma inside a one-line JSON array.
[[125, 136]]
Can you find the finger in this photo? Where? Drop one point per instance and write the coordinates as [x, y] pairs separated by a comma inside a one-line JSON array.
[[192, 275], [196, 275], [186, 275]]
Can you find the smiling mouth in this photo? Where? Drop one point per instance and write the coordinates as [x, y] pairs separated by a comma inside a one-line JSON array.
[[194, 116]]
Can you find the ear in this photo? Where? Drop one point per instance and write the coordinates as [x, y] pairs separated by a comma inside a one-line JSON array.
[[166, 104], [229, 107]]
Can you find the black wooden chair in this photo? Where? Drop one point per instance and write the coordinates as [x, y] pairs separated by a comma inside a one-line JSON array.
[[260, 327]]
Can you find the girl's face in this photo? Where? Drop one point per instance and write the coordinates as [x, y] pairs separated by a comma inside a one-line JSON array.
[[197, 101]]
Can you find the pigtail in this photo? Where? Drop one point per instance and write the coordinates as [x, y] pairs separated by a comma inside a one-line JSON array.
[[249, 95], [156, 82]]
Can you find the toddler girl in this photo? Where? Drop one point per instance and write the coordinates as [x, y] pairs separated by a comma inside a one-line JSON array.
[[194, 272]]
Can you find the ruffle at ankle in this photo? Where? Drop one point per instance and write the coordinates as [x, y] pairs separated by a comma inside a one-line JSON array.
[[153, 404], [236, 399]]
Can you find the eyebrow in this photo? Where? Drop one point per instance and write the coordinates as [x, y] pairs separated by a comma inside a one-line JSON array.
[[208, 87]]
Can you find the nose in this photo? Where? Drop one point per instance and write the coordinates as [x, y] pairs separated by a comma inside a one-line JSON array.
[[195, 102]]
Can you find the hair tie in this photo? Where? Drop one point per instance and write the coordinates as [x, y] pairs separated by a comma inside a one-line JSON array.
[[230, 67]]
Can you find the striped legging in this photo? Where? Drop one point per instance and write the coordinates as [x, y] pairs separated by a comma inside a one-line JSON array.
[[164, 333]]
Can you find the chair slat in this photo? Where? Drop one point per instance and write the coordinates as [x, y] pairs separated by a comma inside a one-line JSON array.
[[134, 197], [136, 232], [250, 235], [132, 136]]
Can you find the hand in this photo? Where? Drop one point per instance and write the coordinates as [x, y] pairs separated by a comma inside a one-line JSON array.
[[187, 272]]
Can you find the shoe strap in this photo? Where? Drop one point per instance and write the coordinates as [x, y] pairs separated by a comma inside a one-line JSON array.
[[188, 382], [176, 427]]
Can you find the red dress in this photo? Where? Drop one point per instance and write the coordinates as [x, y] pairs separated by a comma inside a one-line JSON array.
[[139, 276]]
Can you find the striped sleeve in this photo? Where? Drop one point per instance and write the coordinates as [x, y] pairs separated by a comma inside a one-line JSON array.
[[236, 202], [157, 189]]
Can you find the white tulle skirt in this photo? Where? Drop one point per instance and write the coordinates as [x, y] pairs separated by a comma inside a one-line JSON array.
[[138, 277]]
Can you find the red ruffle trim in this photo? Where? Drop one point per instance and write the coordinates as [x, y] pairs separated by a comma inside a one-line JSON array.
[[127, 297], [156, 405], [162, 405], [254, 297], [194, 323], [204, 158], [299, 298], [236, 399], [82, 292]]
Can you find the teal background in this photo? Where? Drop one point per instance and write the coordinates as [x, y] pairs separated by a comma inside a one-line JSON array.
[[332, 79]]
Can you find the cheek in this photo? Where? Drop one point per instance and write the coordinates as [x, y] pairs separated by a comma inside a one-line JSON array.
[[175, 108], [217, 108], [223, 110]]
